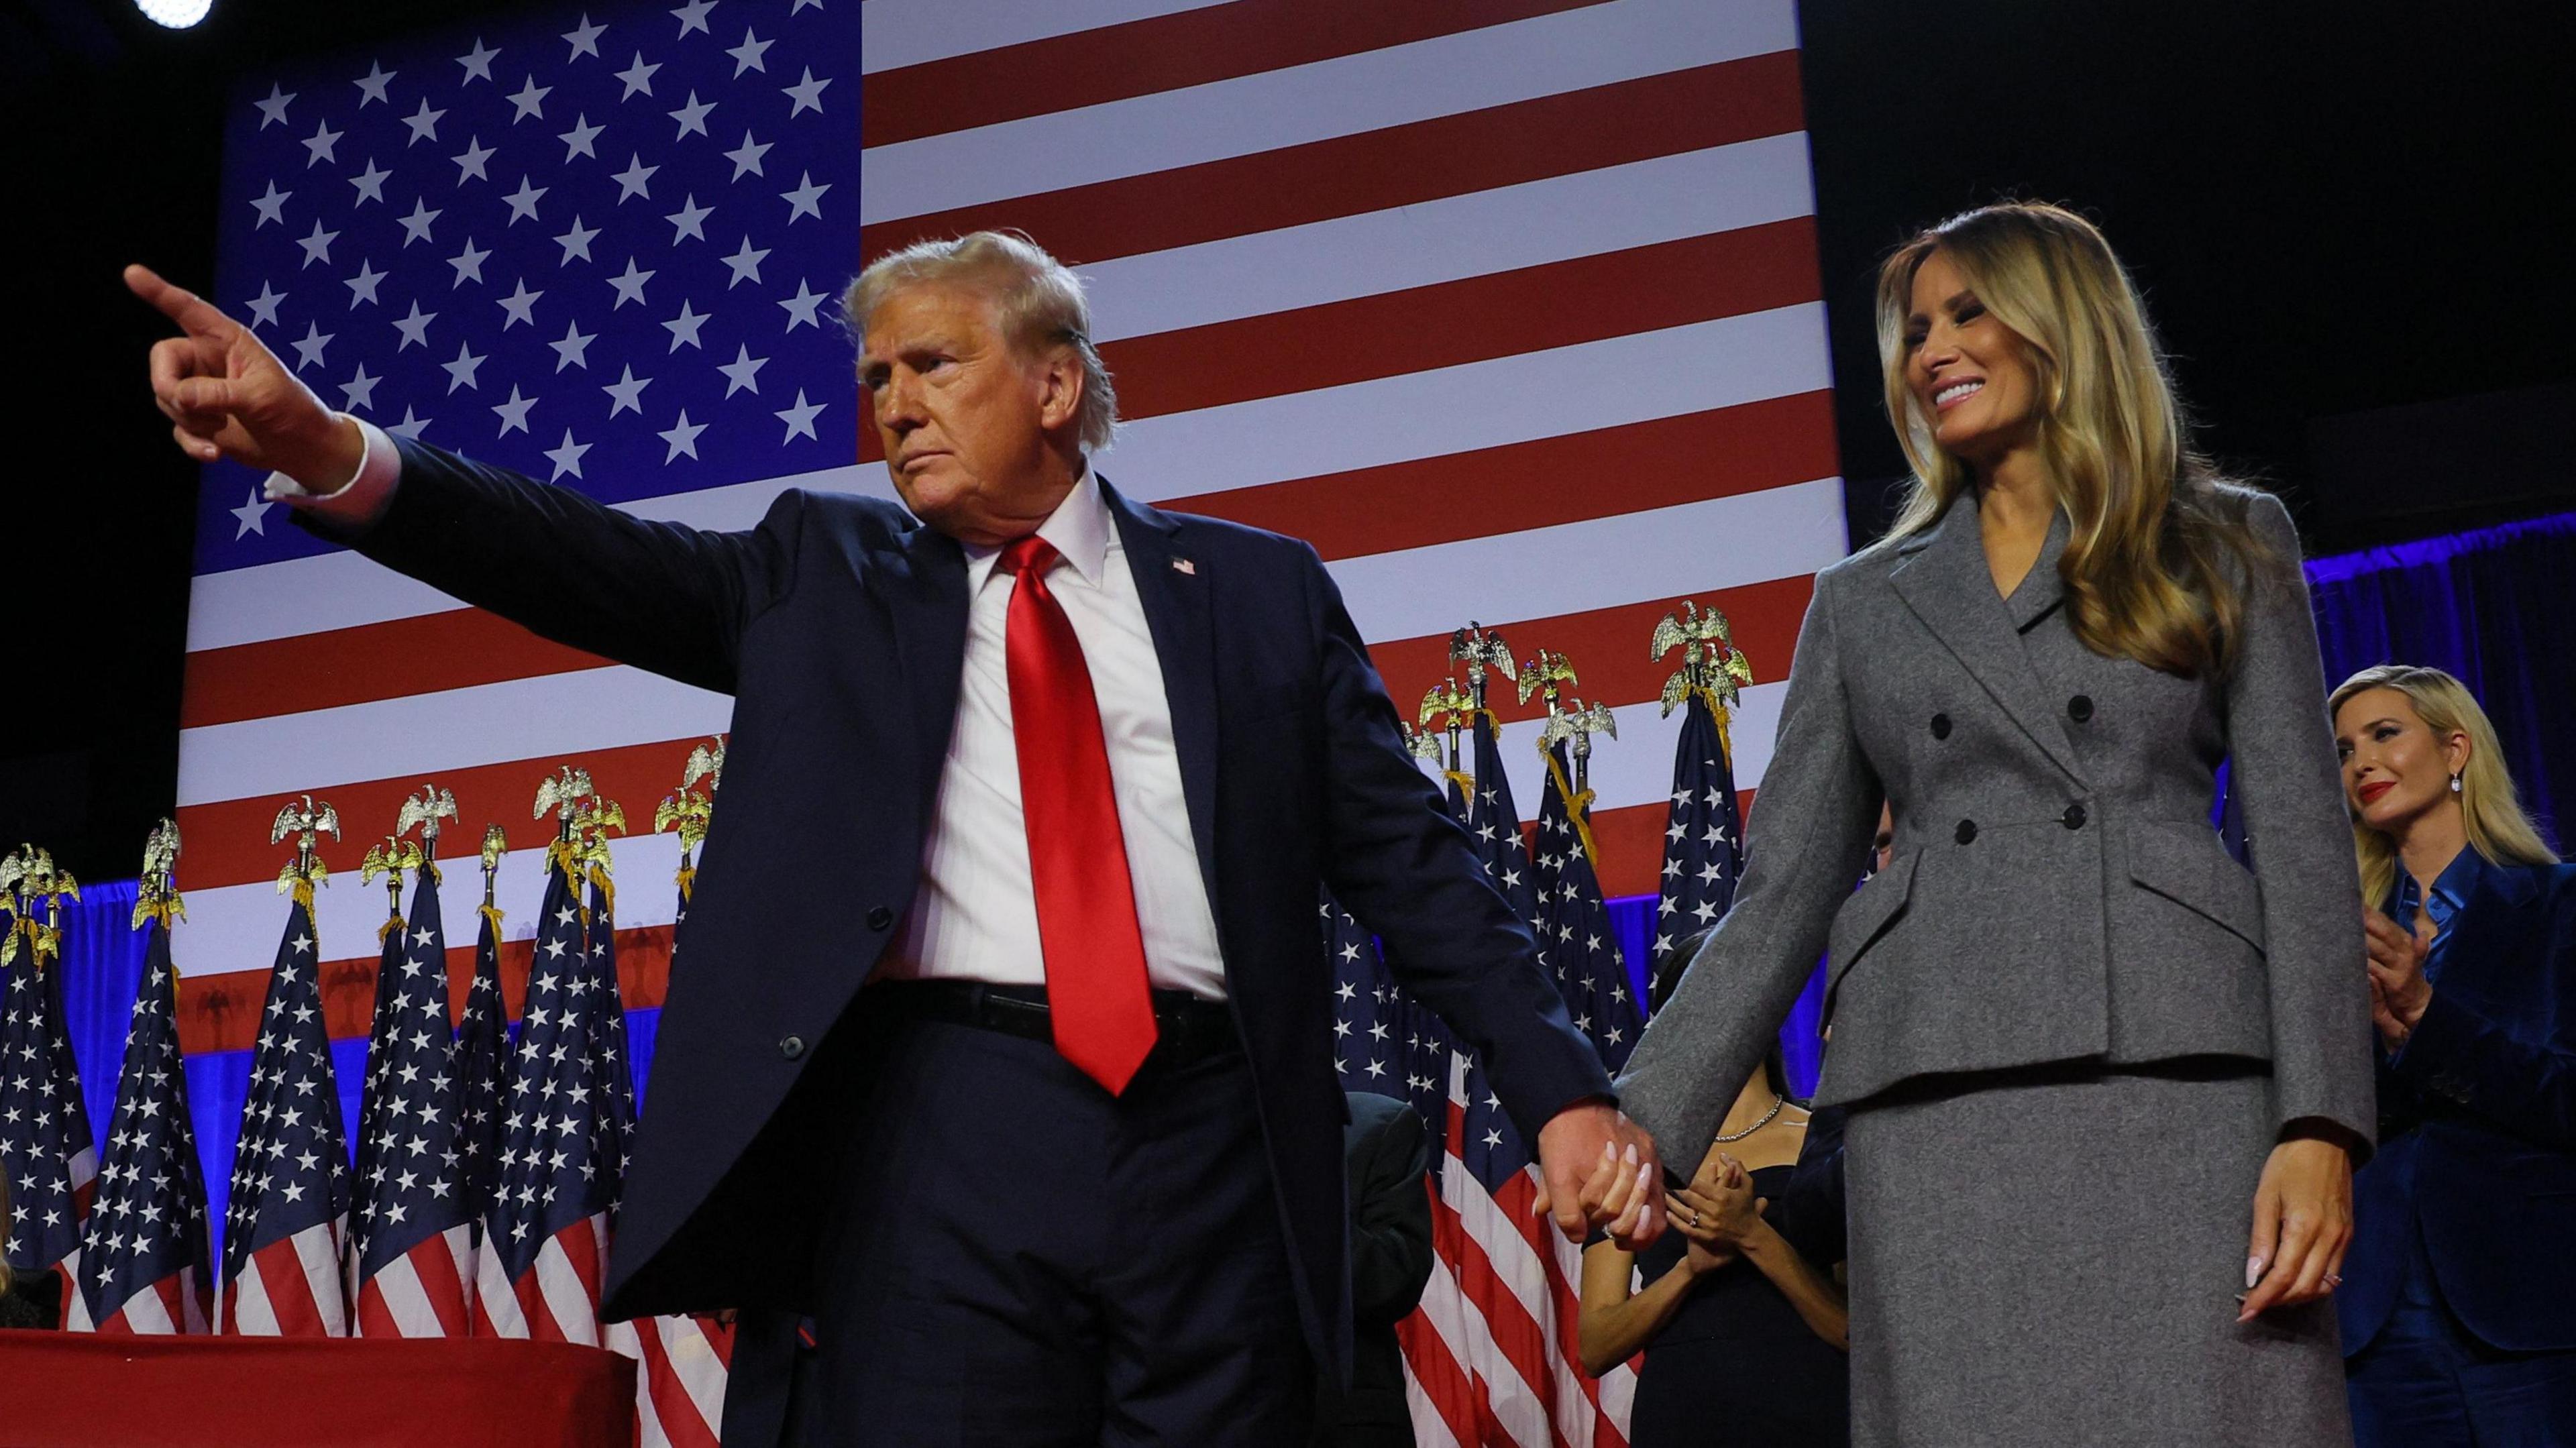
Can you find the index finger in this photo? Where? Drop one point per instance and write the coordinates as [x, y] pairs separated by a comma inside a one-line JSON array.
[[192, 312]]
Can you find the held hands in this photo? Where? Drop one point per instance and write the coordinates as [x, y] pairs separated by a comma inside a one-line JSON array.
[[1720, 1202], [1597, 1169], [228, 396], [2302, 1223], [2398, 990]]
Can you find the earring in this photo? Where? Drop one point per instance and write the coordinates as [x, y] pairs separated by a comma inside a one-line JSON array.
[[2455, 784]]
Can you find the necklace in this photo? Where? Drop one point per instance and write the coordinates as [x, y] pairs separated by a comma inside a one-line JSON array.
[[1777, 1101]]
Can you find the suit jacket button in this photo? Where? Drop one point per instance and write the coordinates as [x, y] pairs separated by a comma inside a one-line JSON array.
[[791, 1047], [1967, 832], [2074, 817], [880, 918], [2079, 708], [1940, 726]]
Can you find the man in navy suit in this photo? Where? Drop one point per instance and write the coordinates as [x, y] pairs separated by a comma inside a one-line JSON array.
[[1055, 777]]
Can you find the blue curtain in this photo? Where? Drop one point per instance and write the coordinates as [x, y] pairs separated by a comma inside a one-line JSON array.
[[2495, 607], [102, 965]]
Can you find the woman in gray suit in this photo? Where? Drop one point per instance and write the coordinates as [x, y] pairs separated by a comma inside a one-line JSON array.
[[2106, 1086]]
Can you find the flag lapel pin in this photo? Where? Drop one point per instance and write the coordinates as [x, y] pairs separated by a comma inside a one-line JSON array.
[[1183, 565]]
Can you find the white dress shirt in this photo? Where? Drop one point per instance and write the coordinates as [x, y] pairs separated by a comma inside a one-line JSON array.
[[975, 915]]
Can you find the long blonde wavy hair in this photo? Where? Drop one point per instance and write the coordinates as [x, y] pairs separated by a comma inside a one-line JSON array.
[[2490, 807], [2151, 522]]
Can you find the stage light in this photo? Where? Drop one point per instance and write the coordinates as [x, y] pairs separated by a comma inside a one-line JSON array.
[[176, 14]]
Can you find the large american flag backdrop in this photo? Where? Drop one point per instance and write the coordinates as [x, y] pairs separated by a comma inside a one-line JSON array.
[[1511, 308]]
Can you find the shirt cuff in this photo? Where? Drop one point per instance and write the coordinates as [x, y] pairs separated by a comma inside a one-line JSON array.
[[360, 500]]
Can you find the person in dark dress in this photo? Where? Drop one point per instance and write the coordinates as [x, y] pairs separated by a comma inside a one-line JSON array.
[[1388, 1155], [2459, 1301], [1742, 1323], [27, 1299]]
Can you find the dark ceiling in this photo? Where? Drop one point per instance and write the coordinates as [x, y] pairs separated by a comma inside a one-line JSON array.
[[2347, 219]]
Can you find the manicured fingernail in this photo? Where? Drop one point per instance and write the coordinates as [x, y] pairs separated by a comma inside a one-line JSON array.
[[1609, 1151], [2253, 1270], [1630, 1155]]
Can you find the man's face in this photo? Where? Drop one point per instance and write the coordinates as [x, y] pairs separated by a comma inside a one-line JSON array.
[[970, 428]]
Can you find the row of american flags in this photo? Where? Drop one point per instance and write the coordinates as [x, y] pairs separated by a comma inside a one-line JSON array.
[[476, 1195]]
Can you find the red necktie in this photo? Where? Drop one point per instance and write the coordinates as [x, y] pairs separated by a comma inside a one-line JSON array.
[[1097, 995]]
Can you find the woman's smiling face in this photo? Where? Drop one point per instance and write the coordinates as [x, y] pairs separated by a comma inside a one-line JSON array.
[[1970, 374]]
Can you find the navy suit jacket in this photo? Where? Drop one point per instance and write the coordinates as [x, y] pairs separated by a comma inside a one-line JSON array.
[[839, 625], [2477, 1128]]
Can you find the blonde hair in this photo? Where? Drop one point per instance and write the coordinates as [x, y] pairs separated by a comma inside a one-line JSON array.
[[2151, 523], [2490, 807], [1041, 300]]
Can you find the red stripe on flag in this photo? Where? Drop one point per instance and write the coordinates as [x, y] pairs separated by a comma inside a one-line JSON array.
[[673, 1408], [1489, 492], [1502, 314], [1607, 646], [290, 1293], [219, 1010], [235, 849], [1141, 57], [451, 649], [1584, 130]]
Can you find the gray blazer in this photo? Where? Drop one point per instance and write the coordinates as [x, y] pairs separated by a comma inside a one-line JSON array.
[[2056, 892]]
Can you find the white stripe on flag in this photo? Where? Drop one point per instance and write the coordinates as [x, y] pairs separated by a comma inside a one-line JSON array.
[[234, 927], [1430, 1430], [576, 713], [343, 590], [492, 1289], [1468, 70], [1481, 233], [897, 33], [251, 1315], [1689, 548], [560, 1286], [1516, 1408], [694, 1364], [317, 1248], [1554, 392]]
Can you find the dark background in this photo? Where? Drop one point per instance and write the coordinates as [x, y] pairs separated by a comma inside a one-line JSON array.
[[2348, 223]]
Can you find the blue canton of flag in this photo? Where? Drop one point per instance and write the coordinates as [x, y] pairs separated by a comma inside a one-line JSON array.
[[394, 947], [290, 1187], [560, 1161], [45, 1145], [144, 1263], [1489, 1144], [1367, 1046], [616, 1083], [482, 1064], [602, 253], [1574, 935], [1703, 846], [411, 1225]]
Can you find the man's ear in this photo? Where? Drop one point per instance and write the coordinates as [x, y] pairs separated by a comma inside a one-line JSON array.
[[1061, 380]]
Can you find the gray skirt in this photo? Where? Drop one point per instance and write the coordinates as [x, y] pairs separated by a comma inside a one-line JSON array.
[[2049, 1257]]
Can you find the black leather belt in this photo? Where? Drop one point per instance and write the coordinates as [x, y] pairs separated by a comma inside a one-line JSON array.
[[1188, 1029]]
